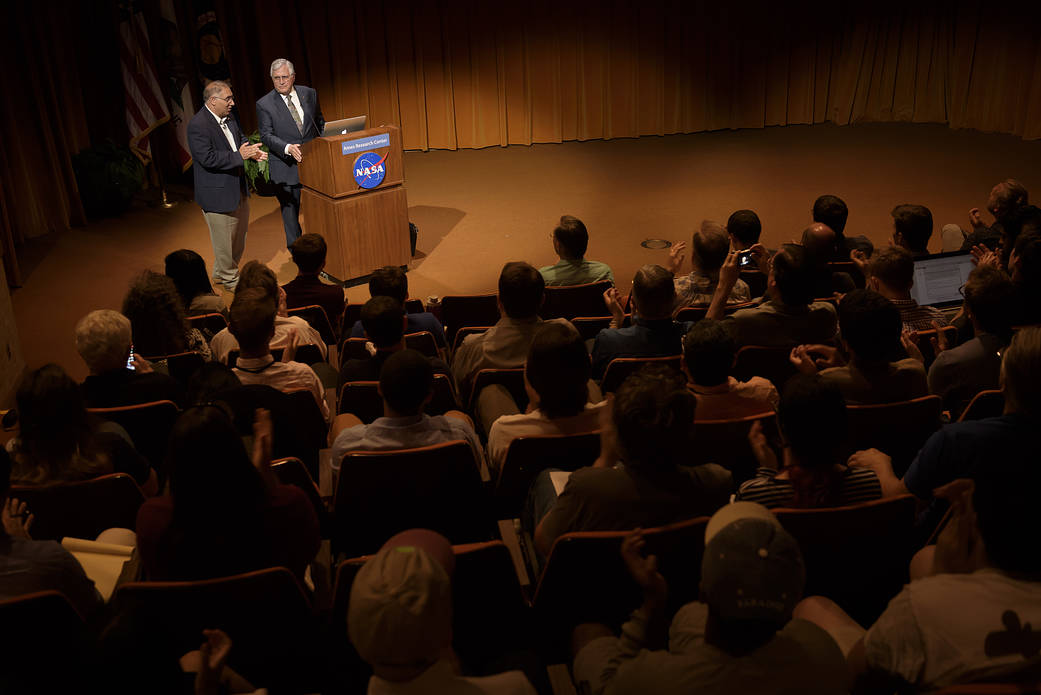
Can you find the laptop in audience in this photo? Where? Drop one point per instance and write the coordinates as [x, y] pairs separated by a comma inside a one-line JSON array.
[[938, 278]]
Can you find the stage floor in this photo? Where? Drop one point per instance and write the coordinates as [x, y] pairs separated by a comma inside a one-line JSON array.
[[477, 209]]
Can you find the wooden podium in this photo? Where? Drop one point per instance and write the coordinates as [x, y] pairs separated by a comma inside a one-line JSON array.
[[365, 228]]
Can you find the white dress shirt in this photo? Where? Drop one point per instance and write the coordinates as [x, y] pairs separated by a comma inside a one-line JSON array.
[[223, 123]]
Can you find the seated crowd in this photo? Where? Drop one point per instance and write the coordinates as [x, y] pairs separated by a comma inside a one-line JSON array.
[[834, 327]]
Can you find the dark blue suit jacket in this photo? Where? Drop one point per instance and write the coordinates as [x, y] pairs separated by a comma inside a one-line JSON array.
[[278, 129], [219, 176]]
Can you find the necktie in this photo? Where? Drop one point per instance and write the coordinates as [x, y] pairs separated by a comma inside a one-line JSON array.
[[295, 114]]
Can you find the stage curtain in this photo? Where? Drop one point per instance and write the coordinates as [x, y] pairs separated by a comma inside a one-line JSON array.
[[464, 74]]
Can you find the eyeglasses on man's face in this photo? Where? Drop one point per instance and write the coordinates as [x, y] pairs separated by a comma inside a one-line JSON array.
[[227, 100], [281, 78]]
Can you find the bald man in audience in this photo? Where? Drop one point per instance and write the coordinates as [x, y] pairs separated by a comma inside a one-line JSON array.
[[820, 242]]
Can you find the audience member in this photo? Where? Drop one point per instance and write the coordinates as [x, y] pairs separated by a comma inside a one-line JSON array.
[[59, 441], [391, 281], [103, 341], [157, 319], [708, 356], [739, 637], [812, 416], [406, 386], [912, 227], [1005, 198], [708, 250], [891, 274], [744, 229], [653, 332], [556, 378], [832, 211], [257, 275], [307, 288], [959, 373], [962, 449], [570, 240], [28, 566], [209, 381], [1025, 219], [639, 479], [384, 323], [871, 334], [789, 316], [820, 241], [225, 513], [966, 615], [1025, 268], [505, 345], [253, 325], [399, 620], [187, 269]]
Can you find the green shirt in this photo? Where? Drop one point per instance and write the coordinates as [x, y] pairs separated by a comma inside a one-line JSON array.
[[580, 272]]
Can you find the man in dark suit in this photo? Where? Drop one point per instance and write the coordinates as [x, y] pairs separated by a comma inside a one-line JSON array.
[[288, 116], [218, 149]]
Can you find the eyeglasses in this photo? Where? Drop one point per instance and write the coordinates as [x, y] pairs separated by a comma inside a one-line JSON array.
[[282, 78], [961, 290], [227, 100]]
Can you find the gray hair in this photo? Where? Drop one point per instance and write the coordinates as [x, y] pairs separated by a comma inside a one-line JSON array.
[[214, 88], [279, 62], [103, 340]]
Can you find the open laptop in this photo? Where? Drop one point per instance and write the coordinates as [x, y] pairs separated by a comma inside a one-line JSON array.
[[344, 126], [938, 278]]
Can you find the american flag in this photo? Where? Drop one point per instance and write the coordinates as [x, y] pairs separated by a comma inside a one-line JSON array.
[[146, 107]]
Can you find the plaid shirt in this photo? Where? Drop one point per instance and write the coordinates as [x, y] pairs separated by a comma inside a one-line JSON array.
[[696, 288]]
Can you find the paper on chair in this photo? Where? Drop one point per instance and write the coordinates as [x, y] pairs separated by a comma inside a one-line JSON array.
[[102, 562], [559, 480]]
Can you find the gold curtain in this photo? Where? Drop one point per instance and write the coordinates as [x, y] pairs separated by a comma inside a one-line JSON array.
[[462, 74]]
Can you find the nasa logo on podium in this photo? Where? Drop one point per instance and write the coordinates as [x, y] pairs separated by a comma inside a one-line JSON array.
[[369, 169]]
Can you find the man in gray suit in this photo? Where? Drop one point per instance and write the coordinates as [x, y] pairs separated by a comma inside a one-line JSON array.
[[218, 148], [287, 117]]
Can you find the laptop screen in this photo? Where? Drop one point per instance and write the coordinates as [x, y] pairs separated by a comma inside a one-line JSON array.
[[938, 278]]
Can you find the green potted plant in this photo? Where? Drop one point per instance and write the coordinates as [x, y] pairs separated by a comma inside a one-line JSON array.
[[258, 174]]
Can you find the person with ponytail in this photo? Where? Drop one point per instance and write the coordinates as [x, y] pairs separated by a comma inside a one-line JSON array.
[[812, 416]]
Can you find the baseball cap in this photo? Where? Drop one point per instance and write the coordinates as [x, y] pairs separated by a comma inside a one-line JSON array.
[[752, 568], [400, 610]]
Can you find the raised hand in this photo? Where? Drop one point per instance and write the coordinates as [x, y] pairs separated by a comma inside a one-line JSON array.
[[760, 447], [860, 258], [613, 302], [909, 339], [802, 360], [677, 254], [939, 341], [141, 365], [975, 220], [981, 255], [262, 444], [289, 354], [16, 520], [762, 258]]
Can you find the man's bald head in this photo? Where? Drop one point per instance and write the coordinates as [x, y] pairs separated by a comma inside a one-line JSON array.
[[819, 240]]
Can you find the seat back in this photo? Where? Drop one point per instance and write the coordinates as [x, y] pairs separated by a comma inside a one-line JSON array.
[[526, 457], [589, 326], [423, 342], [208, 324], [291, 471], [771, 363], [725, 442], [691, 313], [362, 398], [851, 268], [856, 555], [265, 613], [926, 346], [352, 314], [82, 509], [353, 349], [511, 379], [148, 424], [462, 334], [462, 310], [381, 493], [318, 320], [899, 429], [619, 369], [489, 612], [574, 300], [990, 403], [585, 579], [182, 365], [45, 644]]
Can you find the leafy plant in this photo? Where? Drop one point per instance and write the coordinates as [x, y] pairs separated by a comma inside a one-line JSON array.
[[107, 175], [255, 169]]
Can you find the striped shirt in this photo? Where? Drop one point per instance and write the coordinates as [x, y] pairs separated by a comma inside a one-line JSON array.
[[858, 485]]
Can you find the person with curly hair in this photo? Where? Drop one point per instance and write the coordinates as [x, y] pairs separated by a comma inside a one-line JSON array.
[[157, 319], [187, 269]]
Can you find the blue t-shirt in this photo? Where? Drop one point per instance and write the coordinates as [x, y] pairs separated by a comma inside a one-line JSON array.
[[416, 323], [956, 450]]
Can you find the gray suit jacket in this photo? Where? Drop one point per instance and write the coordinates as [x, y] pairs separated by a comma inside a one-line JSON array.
[[278, 129]]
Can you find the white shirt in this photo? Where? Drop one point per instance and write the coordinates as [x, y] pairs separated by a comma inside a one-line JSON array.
[[223, 123]]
